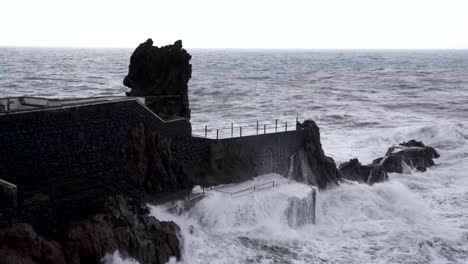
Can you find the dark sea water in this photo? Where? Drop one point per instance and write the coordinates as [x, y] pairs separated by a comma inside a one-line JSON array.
[[363, 102]]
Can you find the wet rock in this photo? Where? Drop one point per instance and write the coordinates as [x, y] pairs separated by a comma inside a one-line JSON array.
[[323, 168], [121, 225], [412, 153], [161, 74], [149, 162], [353, 170], [21, 244]]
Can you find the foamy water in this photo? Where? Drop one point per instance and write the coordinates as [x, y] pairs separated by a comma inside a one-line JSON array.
[[363, 102]]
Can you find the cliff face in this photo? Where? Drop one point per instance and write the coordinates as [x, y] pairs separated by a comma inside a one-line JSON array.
[[150, 164], [319, 170], [161, 75]]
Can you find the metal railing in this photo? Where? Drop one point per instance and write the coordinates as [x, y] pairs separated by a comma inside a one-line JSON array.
[[247, 191], [240, 130]]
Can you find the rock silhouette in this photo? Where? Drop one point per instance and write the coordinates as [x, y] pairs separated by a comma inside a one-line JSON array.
[[323, 171], [412, 153], [161, 75], [355, 171]]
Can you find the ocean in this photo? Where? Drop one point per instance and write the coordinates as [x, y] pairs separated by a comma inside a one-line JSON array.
[[363, 101]]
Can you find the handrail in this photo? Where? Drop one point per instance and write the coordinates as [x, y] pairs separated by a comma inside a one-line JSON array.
[[251, 190], [242, 130]]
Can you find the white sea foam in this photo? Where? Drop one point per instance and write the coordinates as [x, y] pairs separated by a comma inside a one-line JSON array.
[[116, 258]]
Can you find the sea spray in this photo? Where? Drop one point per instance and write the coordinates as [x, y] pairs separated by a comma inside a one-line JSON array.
[[117, 258]]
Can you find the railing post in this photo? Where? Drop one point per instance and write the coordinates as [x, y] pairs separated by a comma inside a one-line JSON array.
[[276, 125], [314, 198], [232, 130], [286, 127], [273, 184], [257, 127], [264, 128], [203, 188], [297, 119], [240, 131], [206, 131], [217, 134]]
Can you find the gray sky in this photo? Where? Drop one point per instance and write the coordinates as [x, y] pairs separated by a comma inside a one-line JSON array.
[[351, 24]]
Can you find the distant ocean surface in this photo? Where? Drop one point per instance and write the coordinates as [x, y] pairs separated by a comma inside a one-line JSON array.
[[363, 102]]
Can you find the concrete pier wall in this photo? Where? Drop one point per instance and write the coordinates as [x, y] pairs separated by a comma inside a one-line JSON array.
[[212, 162]]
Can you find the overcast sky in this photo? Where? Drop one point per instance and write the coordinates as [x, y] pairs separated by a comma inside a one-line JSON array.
[[316, 24]]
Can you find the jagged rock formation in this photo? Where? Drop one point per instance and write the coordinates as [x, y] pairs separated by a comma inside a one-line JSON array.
[[119, 226], [161, 75], [412, 153], [323, 168], [355, 171], [149, 162]]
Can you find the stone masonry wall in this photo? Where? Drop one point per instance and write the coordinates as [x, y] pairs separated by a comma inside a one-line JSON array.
[[69, 158]]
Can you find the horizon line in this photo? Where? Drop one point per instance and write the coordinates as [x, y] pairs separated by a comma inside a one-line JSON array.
[[223, 48]]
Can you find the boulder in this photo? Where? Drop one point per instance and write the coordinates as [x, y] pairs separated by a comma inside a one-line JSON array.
[[412, 153], [353, 170], [120, 225], [161, 74]]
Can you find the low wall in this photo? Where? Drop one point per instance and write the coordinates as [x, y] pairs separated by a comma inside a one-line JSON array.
[[212, 162]]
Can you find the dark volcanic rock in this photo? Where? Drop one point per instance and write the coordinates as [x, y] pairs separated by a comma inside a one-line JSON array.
[[21, 244], [149, 162], [119, 226], [355, 171], [161, 75], [323, 169], [413, 153]]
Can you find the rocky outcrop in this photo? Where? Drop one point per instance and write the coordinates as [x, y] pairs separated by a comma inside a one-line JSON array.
[[149, 162], [323, 168], [412, 153], [353, 170], [121, 225], [161, 75]]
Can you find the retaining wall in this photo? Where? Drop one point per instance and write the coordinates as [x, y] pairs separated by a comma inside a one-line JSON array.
[[68, 158], [213, 162]]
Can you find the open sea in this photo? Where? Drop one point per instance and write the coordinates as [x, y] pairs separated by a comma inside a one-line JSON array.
[[363, 101]]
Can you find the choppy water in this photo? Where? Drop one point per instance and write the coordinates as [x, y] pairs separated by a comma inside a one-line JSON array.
[[363, 101]]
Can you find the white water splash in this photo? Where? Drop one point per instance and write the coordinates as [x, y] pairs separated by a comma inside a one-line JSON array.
[[116, 258]]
